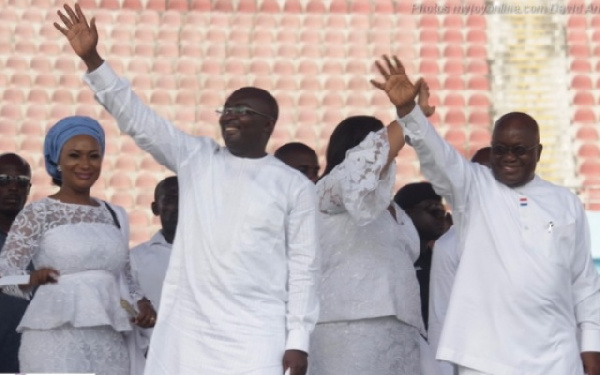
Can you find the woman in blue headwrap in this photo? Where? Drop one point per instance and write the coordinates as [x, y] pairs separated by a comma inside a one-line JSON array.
[[79, 248]]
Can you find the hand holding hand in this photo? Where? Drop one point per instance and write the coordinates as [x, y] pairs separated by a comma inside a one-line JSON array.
[[296, 361], [82, 36], [146, 318], [423, 101]]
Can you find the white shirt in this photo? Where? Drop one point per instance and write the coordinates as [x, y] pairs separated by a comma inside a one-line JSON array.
[[149, 262], [241, 284], [526, 281], [444, 263], [368, 255]]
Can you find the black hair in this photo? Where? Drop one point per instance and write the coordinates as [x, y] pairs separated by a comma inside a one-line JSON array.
[[412, 194], [347, 135], [293, 147], [161, 184]]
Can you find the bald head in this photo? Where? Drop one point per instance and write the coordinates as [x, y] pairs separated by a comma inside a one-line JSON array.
[[520, 120], [266, 102], [482, 156], [516, 149]]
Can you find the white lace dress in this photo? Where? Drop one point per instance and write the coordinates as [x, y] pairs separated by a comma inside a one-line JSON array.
[[74, 325], [370, 316]]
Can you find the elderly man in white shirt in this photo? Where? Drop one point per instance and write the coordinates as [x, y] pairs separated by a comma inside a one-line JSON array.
[[526, 283], [149, 260], [240, 292], [444, 262]]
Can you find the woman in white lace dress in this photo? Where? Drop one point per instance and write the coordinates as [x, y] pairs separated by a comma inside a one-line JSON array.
[[75, 321], [370, 320]]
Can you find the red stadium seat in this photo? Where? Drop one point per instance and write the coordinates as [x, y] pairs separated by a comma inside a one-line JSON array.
[[576, 21], [478, 100], [584, 98], [476, 52], [579, 51], [584, 115], [587, 133], [589, 151], [293, 6], [338, 6], [176, 5], [581, 82], [315, 6], [454, 83], [480, 118], [454, 100], [476, 37], [478, 83], [429, 22], [132, 4], [452, 36], [383, 6]]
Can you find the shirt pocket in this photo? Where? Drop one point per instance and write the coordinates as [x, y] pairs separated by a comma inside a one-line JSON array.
[[556, 241]]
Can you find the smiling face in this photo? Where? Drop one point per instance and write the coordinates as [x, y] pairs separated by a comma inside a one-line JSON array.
[[80, 162], [516, 149], [246, 134]]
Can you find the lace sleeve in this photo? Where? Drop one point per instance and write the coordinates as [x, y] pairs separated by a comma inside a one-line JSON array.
[[21, 245], [356, 185]]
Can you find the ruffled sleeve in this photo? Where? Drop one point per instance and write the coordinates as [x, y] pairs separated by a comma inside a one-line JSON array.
[[357, 185], [21, 245]]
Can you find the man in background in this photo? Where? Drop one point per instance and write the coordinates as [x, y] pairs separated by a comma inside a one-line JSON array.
[[15, 183], [150, 260], [301, 157]]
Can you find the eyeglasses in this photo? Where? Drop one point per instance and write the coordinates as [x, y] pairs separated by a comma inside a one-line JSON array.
[[22, 181], [501, 150], [241, 110]]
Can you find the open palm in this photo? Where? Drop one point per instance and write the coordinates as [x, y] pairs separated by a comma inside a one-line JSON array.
[[398, 87], [82, 36]]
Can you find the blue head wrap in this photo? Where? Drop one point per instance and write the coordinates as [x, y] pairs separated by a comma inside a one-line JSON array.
[[64, 130]]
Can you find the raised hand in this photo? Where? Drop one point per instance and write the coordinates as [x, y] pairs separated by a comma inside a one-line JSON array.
[[423, 100], [82, 36], [397, 85]]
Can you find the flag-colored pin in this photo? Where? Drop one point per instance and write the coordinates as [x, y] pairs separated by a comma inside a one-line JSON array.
[[523, 201]]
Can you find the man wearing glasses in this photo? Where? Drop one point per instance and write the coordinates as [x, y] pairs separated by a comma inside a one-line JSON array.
[[15, 182], [239, 295], [526, 286]]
